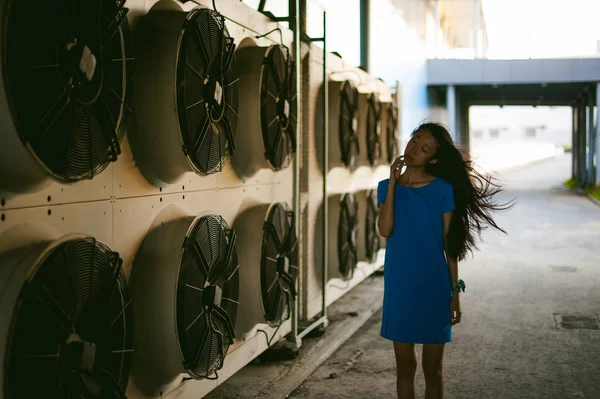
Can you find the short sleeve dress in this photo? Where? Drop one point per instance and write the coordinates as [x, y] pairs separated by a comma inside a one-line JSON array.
[[417, 282]]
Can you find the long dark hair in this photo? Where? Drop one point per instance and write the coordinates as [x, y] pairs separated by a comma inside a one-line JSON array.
[[473, 193]]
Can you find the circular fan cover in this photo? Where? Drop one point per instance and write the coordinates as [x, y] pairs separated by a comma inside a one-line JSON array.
[[279, 264], [72, 327], [372, 243], [207, 91], [347, 230], [348, 124], [392, 132], [69, 70], [278, 107], [207, 295], [373, 131]]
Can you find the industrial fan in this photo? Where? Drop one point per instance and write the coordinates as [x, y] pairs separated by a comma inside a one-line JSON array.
[[68, 71], [373, 130], [71, 321], [207, 295], [346, 241], [279, 264], [391, 134], [188, 60], [268, 84], [187, 272], [372, 240], [272, 270], [348, 125]]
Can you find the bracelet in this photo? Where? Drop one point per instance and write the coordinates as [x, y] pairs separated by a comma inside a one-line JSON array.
[[458, 286]]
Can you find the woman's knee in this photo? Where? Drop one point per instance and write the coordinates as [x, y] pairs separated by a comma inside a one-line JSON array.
[[433, 371], [406, 361]]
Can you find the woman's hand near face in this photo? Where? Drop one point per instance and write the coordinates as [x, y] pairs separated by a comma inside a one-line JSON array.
[[396, 168]]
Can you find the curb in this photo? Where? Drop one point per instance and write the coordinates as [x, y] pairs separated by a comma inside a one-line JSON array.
[[594, 200]]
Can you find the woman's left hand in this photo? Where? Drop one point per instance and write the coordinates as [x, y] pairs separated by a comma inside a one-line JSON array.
[[455, 312]]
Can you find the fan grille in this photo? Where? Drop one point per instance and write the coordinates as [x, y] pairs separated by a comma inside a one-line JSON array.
[[372, 243], [278, 107], [207, 295], [207, 91], [392, 132], [373, 131], [72, 326], [279, 264], [69, 75], [347, 230], [348, 126]]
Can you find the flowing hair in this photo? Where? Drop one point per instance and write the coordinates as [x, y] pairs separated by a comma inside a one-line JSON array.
[[473, 193]]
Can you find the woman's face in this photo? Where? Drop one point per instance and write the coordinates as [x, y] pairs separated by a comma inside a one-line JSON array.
[[420, 149]]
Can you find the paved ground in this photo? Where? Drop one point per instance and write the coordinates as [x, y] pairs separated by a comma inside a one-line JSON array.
[[530, 314]]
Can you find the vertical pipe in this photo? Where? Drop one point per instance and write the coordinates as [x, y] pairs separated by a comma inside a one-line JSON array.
[[365, 35], [590, 176], [325, 167], [295, 5]]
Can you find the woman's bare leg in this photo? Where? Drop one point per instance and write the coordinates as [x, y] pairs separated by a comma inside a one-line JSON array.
[[433, 357], [406, 367]]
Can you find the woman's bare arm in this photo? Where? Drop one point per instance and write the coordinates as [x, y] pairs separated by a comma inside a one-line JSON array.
[[386, 211], [452, 263]]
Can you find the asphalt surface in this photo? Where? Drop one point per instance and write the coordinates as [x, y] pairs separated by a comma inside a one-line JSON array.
[[531, 313]]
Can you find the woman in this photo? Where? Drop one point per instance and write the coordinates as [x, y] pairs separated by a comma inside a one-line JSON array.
[[430, 213]]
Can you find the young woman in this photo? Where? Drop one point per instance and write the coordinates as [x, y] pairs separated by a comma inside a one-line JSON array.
[[430, 214]]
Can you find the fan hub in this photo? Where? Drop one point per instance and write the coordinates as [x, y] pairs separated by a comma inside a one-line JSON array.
[[283, 111], [81, 69], [213, 94], [283, 265], [211, 297], [78, 354]]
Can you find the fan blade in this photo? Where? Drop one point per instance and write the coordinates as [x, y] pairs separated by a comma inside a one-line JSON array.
[[191, 242], [52, 115], [117, 20], [118, 263], [202, 134], [290, 241], [101, 111], [229, 134], [288, 282], [292, 136], [221, 314], [230, 251], [269, 226], [200, 45], [40, 294], [230, 52]]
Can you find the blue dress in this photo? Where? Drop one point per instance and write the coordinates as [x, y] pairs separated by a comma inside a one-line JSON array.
[[417, 282]]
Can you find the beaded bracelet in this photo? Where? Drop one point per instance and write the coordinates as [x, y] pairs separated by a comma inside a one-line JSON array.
[[458, 286]]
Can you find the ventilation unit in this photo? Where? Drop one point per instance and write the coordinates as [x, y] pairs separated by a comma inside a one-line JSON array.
[[373, 130], [391, 132], [270, 271], [186, 276], [368, 239], [343, 124], [268, 112], [67, 74], [187, 93], [342, 237], [64, 315]]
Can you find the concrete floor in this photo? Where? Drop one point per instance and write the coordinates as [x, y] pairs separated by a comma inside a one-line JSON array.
[[531, 312]]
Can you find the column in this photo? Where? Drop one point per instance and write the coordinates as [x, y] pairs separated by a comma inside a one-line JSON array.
[[597, 123], [574, 145], [582, 133], [451, 107], [590, 176]]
